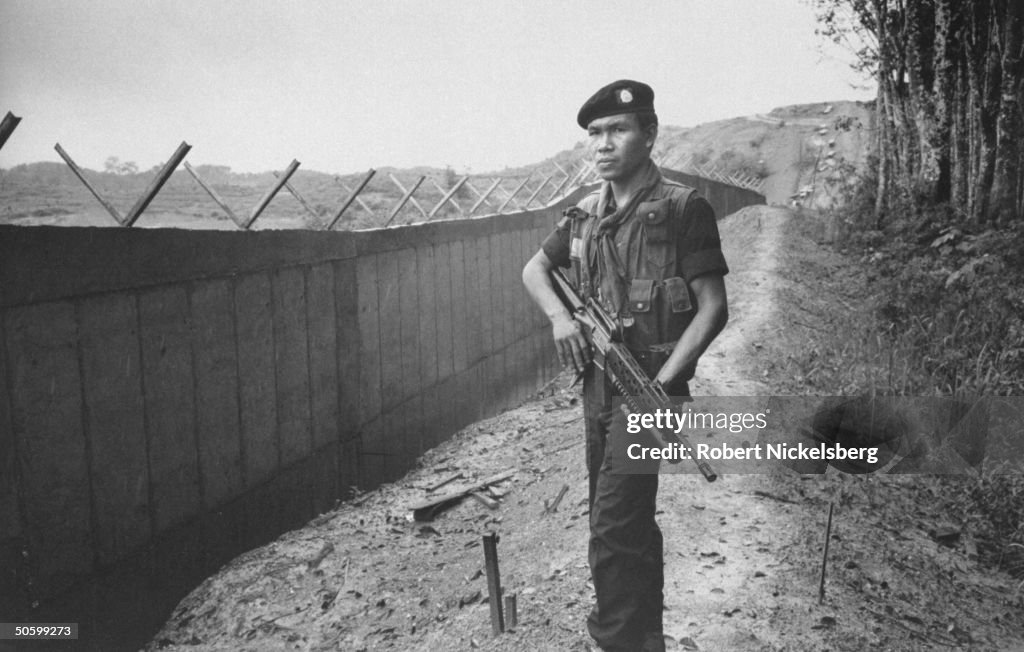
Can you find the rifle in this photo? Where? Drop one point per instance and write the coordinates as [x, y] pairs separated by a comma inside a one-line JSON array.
[[641, 394]]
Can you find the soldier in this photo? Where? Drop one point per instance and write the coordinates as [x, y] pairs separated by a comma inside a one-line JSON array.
[[648, 249]]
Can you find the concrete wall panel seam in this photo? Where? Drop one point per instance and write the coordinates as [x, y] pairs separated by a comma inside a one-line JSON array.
[[201, 480], [150, 503], [243, 453], [86, 434], [8, 437]]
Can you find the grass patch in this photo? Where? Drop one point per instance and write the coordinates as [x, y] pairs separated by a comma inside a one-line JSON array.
[[926, 307]]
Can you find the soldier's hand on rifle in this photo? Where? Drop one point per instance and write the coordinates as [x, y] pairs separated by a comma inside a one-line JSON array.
[[572, 346]]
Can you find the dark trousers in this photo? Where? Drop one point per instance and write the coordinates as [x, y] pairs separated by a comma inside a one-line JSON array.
[[626, 546]]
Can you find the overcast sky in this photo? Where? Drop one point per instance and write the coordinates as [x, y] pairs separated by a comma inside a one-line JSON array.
[[344, 86]]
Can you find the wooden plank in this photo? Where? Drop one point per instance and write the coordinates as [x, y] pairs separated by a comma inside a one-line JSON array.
[[112, 382], [369, 332], [426, 509], [216, 377], [443, 294], [291, 361], [486, 501], [257, 378], [47, 413], [391, 381], [170, 406], [323, 355]]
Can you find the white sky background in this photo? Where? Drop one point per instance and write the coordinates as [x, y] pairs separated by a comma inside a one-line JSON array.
[[344, 86]]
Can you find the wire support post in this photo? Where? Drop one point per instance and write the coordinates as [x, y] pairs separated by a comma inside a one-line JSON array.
[[213, 195], [81, 177], [7, 127], [157, 183], [824, 555], [351, 198], [270, 194], [493, 583]]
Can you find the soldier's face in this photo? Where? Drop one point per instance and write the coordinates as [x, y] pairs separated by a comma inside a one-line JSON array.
[[619, 146]]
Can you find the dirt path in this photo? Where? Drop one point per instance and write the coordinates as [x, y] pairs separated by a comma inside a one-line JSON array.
[[742, 554], [722, 541]]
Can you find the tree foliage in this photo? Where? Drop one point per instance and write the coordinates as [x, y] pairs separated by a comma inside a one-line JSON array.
[[114, 165], [949, 107]]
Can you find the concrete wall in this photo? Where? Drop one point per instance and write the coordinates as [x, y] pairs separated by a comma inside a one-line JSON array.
[[725, 199], [192, 394]]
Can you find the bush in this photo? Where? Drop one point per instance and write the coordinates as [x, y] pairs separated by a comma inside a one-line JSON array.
[[948, 308]]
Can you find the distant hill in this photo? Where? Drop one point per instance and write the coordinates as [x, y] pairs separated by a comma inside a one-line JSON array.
[[801, 153], [806, 149]]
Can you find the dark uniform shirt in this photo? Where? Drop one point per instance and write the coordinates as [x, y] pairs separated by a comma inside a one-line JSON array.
[[663, 239]]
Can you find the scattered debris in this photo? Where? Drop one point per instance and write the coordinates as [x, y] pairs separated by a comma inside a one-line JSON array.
[[552, 507], [946, 536], [781, 499], [438, 485], [511, 612], [486, 501], [426, 510]]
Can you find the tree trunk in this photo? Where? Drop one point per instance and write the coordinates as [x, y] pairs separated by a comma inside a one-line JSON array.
[[991, 86], [942, 142], [1002, 207]]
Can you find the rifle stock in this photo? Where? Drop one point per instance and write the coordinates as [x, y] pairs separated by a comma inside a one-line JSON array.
[[642, 394]]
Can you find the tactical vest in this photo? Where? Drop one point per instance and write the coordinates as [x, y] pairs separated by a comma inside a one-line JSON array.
[[656, 303]]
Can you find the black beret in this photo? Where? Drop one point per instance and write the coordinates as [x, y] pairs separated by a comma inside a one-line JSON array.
[[623, 96]]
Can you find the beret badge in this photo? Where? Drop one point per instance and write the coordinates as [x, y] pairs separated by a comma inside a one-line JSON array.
[[622, 96]]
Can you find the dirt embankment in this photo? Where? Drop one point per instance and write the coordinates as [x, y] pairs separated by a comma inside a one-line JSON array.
[[742, 554]]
